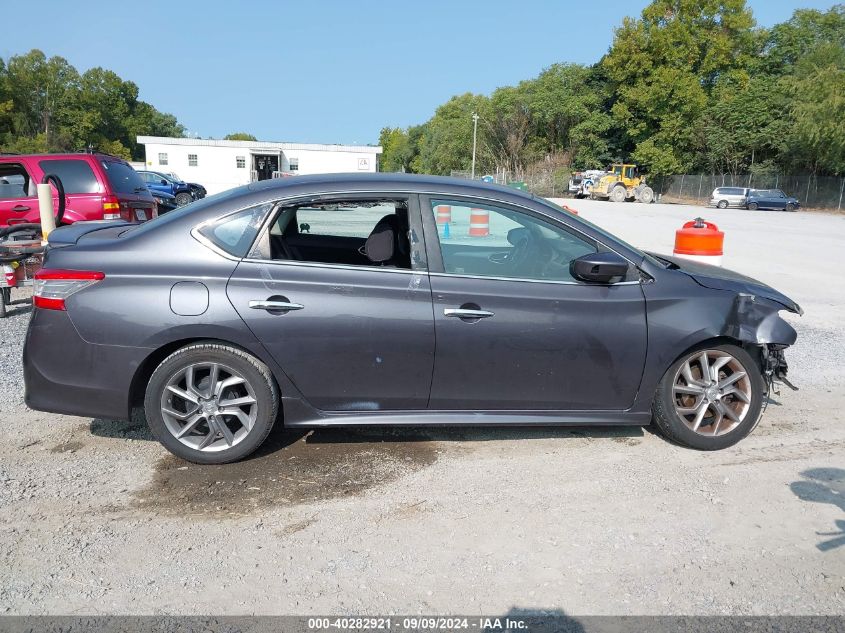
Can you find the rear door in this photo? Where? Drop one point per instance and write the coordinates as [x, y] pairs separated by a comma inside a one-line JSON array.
[[83, 187], [351, 334], [18, 197], [514, 330]]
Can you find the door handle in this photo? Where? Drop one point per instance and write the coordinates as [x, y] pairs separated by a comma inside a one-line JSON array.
[[463, 313], [20, 207], [270, 306]]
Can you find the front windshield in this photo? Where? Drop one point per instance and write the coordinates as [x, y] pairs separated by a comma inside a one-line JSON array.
[[173, 176]]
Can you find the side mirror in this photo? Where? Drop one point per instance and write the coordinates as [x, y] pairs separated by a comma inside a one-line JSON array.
[[164, 182], [601, 268]]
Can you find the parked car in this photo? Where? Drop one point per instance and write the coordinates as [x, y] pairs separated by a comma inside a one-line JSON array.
[[158, 181], [97, 187], [336, 299], [197, 190], [164, 201], [724, 197], [771, 199]]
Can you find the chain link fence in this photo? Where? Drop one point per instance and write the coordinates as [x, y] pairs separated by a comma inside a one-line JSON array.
[[814, 192]]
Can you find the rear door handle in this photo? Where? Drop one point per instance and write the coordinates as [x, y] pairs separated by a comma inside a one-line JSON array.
[[463, 313], [20, 207], [272, 306]]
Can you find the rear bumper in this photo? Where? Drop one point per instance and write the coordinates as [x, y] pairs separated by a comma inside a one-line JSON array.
[[65, 374]]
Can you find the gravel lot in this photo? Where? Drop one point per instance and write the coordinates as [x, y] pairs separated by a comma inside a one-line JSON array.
[[96, 518]]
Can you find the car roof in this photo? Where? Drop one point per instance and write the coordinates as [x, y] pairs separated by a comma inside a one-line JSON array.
[[411, 182]]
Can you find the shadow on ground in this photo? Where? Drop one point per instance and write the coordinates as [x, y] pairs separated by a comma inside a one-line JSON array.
[[303, 466], [824, 485]]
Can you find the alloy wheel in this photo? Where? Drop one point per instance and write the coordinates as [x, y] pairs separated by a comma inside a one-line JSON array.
[[208, 406], [712, 393]]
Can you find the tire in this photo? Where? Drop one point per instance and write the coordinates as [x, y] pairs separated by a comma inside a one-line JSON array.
[[790, 206], [183, 198], [722, 204], [245, 432], [646, 195], [679, 428], [751, 206], [5, 297], [618, 194]]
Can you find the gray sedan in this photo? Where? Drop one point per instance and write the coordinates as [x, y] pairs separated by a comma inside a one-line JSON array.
[[388, 299]]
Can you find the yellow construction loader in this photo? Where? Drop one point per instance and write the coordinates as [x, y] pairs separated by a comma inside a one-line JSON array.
[[623, 182]]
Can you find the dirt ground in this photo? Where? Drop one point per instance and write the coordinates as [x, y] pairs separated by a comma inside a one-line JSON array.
[[96, 518]]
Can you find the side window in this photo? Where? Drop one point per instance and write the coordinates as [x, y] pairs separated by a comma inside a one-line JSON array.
[[76, 175], [14, 182], [235, 233], [372, 232], [490, 241]]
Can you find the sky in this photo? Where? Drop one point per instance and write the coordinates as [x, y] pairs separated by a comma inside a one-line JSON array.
[[324, 71]]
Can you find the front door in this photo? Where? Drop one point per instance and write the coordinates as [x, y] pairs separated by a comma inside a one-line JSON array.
[[514, 329], [351, 333]]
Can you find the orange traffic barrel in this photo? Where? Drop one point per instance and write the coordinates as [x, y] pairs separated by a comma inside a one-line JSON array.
[[701, 241], [444, 214], [479, 223]]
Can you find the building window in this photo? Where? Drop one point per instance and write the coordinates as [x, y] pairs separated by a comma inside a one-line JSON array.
[[240, 162], [162, 159], [192, 160], [293, 164]]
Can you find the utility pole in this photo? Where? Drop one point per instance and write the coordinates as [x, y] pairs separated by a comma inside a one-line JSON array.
[[474, 135]]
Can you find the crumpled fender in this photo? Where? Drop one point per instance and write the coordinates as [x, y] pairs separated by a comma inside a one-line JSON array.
[[756, 320]]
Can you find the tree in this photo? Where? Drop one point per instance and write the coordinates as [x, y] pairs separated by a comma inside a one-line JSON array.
[[239, 136], [46, 105], [664, 67], [446, 142]]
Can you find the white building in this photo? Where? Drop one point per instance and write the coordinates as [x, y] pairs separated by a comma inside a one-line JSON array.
[[221, 165]]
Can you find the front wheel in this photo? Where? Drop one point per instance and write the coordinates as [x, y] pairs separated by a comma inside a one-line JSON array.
[[710, 398], [211, 403], [646, 195], [5, 298], [723, 204], [790, 206], [618, 194], [183, 198]]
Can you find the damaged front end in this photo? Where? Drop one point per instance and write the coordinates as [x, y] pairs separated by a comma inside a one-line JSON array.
[[755, 321]]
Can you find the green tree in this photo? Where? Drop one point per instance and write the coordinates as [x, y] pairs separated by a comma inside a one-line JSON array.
[[446, 142], [664, 67], [239, 136]]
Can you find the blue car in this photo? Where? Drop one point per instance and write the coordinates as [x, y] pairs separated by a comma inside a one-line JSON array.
[[158, 181], [770, 199], [164, 201]]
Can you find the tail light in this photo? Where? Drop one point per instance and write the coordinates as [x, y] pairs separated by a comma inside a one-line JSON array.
[[10, 275], [111, 208], [53, 286]]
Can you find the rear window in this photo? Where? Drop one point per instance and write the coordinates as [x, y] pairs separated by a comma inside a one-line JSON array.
[[76, 175], [122, 178]]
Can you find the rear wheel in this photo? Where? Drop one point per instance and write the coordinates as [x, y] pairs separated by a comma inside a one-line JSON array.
[[183, 198], [710, 398], [211, 403], [752, 206], [618, 194], [5, 298], [723, 204]]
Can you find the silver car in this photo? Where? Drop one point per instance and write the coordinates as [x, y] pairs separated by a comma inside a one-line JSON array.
[[724, 197]]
